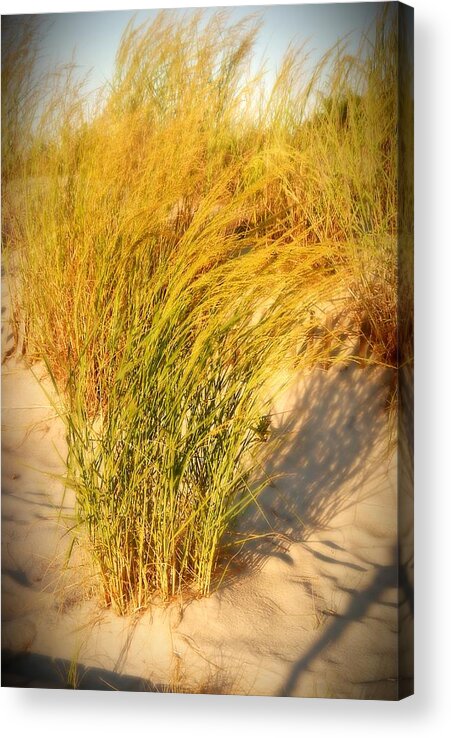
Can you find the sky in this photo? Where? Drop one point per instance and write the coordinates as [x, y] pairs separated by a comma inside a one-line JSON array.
[[93, 37]]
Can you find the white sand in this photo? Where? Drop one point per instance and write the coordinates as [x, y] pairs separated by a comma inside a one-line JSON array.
[[313, 613]]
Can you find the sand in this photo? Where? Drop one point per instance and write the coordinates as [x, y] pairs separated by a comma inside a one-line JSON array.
[[313, 609]]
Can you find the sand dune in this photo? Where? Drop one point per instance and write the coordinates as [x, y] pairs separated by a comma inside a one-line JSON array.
[[312, 609]]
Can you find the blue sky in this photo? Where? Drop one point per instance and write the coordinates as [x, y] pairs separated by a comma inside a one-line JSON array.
[[93, 37]]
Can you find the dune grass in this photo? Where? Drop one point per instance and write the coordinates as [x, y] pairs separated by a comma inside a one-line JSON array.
[[174, 240]]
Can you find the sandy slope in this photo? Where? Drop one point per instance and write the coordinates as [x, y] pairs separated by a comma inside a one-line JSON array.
[[314, 612]]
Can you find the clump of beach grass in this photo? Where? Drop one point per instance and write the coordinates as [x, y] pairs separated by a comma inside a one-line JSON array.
[[174, 239]]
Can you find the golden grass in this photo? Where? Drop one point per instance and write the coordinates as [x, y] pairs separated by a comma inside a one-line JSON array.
[[173, 245]]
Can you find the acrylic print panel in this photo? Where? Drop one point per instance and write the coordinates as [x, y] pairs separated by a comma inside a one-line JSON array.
[[207, 351]]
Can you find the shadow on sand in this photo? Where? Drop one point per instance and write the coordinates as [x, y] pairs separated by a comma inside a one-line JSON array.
[[385, 578], [35, 671], [328, 446]]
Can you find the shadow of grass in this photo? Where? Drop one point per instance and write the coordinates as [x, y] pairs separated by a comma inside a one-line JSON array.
[[329, 445]]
